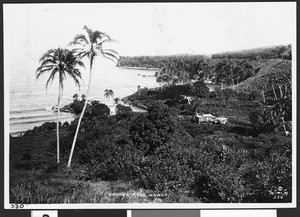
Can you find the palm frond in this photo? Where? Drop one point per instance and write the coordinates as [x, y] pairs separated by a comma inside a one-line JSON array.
[[51, 77], [41, 71], [110, 56], [110, 51], [100, 44], [89, 32], [72, 74], [80, 63], [80, 39], [48, 54], [48, 61], [60, 61], [83, 53]]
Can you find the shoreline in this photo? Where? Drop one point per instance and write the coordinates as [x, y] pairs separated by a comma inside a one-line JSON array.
[[136, 107], [112, 112], [137, 68]]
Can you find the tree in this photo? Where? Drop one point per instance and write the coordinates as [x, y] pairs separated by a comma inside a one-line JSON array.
[[117, 100], [123, 112], [83, 98], [227, 93], [201, 90], [148, 132], [139, 89], [99, 109], [75, 97], [262, 119], [90, 46], [232, 72], [60, 62], [108, 93]]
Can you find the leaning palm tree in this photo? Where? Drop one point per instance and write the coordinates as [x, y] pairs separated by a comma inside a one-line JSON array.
[[60, 62], [90, 46], [108, 93]]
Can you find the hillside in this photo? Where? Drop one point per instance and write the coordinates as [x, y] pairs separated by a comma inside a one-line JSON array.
[[269, 52], [268, 70]]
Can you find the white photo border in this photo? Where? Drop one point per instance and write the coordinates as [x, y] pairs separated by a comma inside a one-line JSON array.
[[132, 206]]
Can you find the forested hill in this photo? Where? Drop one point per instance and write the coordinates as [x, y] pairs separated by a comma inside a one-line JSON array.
[[183, 61], [159, 61], [269, 72], [227, 68], [270, 52]]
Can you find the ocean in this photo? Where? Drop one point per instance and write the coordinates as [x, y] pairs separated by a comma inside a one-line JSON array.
[[30, 102]]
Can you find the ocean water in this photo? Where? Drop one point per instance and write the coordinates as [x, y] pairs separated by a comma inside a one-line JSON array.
[[30, 102]]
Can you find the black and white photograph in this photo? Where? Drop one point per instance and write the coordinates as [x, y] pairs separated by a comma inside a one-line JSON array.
[[150, 105]]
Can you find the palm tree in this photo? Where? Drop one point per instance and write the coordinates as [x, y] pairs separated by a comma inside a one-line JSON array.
[[108, 93], [75, 97], [117, 100], [139, 89], [90, 46], [59, 62]]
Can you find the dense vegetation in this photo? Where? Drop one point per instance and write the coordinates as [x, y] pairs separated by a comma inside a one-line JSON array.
[[228, 68], [243, 161], [164, 153], [273, 52], [183, 67]]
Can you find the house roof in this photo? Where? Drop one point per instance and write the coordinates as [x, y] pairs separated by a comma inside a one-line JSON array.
[[207, 115], [221, 118]]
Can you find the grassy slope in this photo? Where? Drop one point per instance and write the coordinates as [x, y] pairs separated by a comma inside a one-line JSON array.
[[251, 50], [37, 179], [266, 68]]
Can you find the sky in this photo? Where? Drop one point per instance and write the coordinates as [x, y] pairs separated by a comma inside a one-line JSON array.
[[145, 28]]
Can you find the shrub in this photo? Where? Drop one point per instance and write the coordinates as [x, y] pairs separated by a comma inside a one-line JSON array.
[[262, 120], [77, 106], [200, 89], [165, 171], [175, 92], [150, 131], [243, 96], [45, 127], [99, 109], [108, 159], [123, 112]]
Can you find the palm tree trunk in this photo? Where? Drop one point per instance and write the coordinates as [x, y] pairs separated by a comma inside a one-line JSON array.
[[263, 95], [281, 94], [81, 115], [57, 124], [274, 92]]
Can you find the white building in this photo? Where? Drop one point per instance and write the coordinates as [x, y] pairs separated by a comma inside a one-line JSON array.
[[206, 117], [221, 120]]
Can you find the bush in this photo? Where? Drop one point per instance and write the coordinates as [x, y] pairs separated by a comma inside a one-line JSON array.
[[123, 112], [77, 106], [227, 94], [108, 160], [45, 127], [151, 131], [165, 171], [243, 96], [212, 95], [262, 120], [200, 89], [99, 109], [175, 92]]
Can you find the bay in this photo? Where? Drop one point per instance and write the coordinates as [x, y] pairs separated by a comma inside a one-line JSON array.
[[30, 102]]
